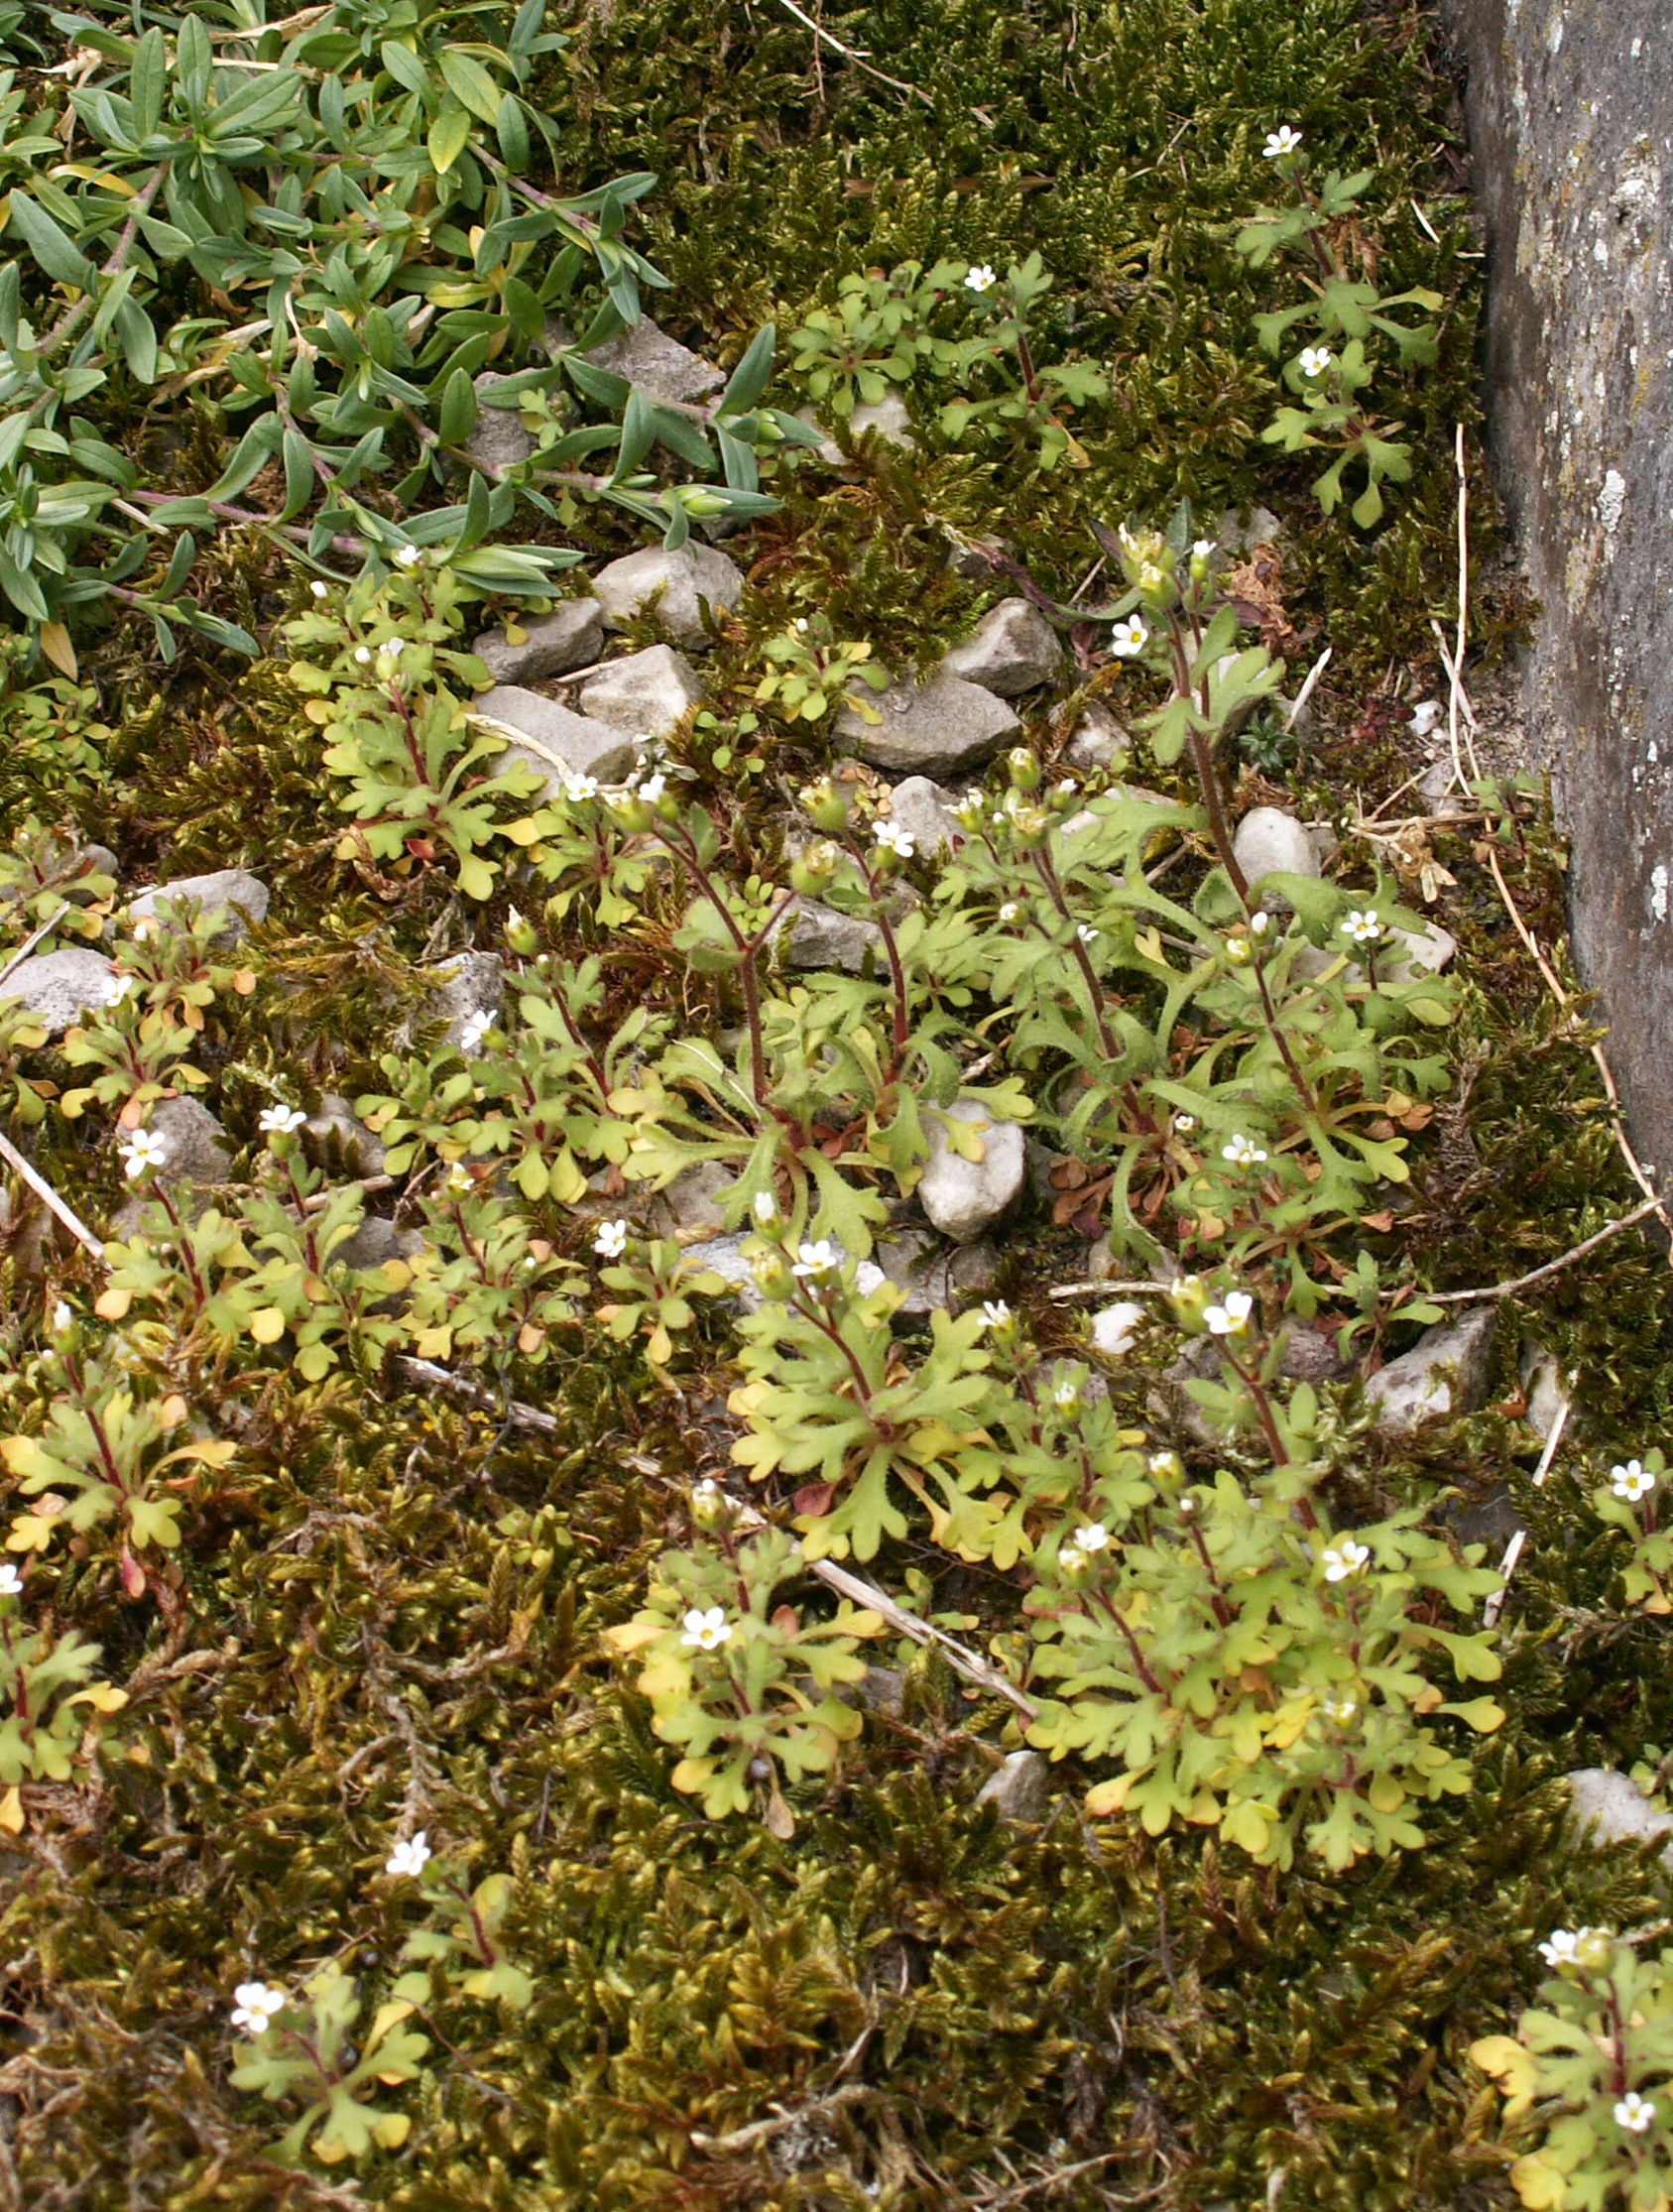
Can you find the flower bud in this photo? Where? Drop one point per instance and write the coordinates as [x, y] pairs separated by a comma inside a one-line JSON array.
[[824, 806], [1238, 950], [520, 934], [815, 869], [773, 1275], [1025, 769], [1189, 1301], [1030, 825], [1166, 1467]]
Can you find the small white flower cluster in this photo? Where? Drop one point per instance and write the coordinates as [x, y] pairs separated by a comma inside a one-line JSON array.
[[1631, 1482], [1634, 2113], [410, 1857], [579, 787], [611, 1241], [1242, 1152], [1083, 1546], [1232, 1317], [1342, 1558], [281, 1121], [117, 987], [706, 1631], [256, 2006], [142, 1153]]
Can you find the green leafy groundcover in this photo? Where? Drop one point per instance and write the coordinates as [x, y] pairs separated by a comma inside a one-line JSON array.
[[344, 1857]]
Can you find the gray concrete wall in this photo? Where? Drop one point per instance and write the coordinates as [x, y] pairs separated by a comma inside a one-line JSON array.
[[1570, 105]]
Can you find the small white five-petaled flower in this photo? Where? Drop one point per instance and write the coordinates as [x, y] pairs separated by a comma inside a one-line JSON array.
[[1066, 1396], [579, 787], [475, 1030], [706, 1631], [766, 1207], [1085, 935], [1338, 1709], [1167, 1466], [996, 1313], [282, 1121], [62, 1315], [652, 788], [363, 654], [815, 1260], [1315, 359], [1340, 1560], [1184, 1123], [611, 1241], [410, 1857], [1634, 2113], [981, 279], [1363, 928], [1280, 142], [409, 557], [141, 1153], [1231, 1319], [1127, 638], [1565, 1946], [892, 838], [868, 1277], [1631, 1482], [11, 1582], [1093, 1537], [256, 2005], [117, 988], [1241, 1151]]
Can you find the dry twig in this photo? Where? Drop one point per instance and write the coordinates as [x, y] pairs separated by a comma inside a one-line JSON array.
[[961, 1661]]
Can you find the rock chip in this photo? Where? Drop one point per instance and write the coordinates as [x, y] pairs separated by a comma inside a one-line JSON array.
[[1017, 1788], [669, 588], [199, 1148], [1541, 1378], [1013, 649], [883, 1690], [1427, 953], [1438, 795], [1444, 1372], [660, 365], [553, 743], [473, 983], [925, 809], [961, 1198], [932, 1281], [373, 1242], [338, 1139], [690, 1204], [58, 986], [888, 420], [1115, 1331], [1239, 540], [941, 728], [1097, 740], [818, 936], [570, 637], [648, 694], [497, 438], [1607, 1807], [725, 1257], [243, 897], [1268, 842]]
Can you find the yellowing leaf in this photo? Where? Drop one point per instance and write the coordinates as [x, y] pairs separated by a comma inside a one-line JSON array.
[[1247, 1825], [1511, 2065], [1386, 1793], [564, 1181], [12, 1814], [394, 2128], [387, 2016], [628, 1635], [1541, 2186], [1106, 1798], [111, 1305], [434, 1344], [691, 1775], [1481, 1714], [55, 645], [172, 1411], [267, 1324]]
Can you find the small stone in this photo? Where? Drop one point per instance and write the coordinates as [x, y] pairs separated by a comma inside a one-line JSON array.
[[669, 588], [550, 741], [338, 1141], [691, 1202], [497, 440], [1269, 842], [1013, 649], [816, 936], [1607, 1807], [1541, 1377], [944, 727], [1097, 740], [58, 986], [99, 859], [570, 637], [961, 1198], [1444, 1372], [1309, 1356], [1325, 844], [724, 1255], [883, 1690], [1115, 1331], [888, 420], [950, 1281], [242, 896], [925, 809], [1427, 953], [1017, 1788], [374, 1243], [1438, 795], [650, 693], [473, 983], [199, 1148], [1237, 540], [660, 365]]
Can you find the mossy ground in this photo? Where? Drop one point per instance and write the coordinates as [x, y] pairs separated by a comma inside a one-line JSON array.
[[907, 2004]]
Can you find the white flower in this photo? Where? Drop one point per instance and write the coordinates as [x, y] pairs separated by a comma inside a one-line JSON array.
[[801, 624], [868, 1277], [1008, 913], [408, 1857], [141, 1153], [1239, 952], [652, 789], [1202, 549], [1260, 922], [283, 1121], [981, 279], [62, 1315], [363, 654], [1167, 1466], [394, 647], [1364, 927], [708, 1502], [1560, 1946], [143, 929], [1338, 1709], [1067, 1395], [409, 557], [318, 588], [766, 1207], [892, 838], [815, 1260], [460, 1182], [1315, 359], [1093, 1537], [707, 1632], [1280, 142], [1630, 1482], [1129, 637], [11, 1582], [1085, 935], [1340, 1560], [1071, 1558], [579, 787], [1231, 1319], [1184, 1123], [475, 1030], [996, 1314], [1634, 2113], [256, 2006], [1241, 1151], [116, 989], [611, 1241]]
